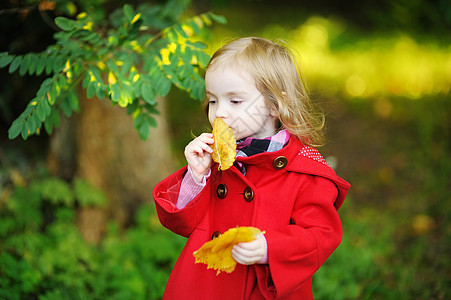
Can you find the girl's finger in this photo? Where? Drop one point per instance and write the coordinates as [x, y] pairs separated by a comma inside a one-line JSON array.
[[207, 148], [244, 259], [206, 138], [198, 150], [244, 251], [249, 245]]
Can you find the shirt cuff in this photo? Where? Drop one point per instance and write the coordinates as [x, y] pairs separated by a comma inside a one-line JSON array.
[[189, 188]]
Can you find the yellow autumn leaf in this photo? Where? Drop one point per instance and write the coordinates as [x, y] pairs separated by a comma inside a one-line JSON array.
[[88, 26], [101, 65], [111, 78], [217, 253], [188, 30], [165, 56], [137, 16], [224, 147]]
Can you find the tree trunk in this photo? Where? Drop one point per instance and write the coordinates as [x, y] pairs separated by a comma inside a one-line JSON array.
[[101, 145]]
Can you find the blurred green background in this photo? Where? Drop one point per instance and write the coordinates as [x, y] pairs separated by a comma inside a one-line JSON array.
[[381, 70]]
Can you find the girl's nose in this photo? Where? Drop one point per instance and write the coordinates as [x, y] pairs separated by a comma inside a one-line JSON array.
[[221, 111]]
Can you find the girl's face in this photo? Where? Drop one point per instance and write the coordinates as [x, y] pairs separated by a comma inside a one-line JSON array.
[[232, 96]]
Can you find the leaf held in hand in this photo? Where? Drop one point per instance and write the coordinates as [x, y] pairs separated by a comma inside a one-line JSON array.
[[217, 253], [224, 147]]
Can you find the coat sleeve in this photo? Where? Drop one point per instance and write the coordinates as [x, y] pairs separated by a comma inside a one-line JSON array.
[[180, 221], [297, 250]]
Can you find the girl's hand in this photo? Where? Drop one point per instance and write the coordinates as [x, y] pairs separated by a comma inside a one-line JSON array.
[[251, 252], [198, 155]]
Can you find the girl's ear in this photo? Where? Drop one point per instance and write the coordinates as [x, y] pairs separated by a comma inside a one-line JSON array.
[[273, 113]]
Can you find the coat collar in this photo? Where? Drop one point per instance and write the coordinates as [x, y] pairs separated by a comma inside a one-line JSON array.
[[301, 159]]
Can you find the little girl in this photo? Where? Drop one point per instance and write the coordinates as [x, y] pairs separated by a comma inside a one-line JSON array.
[[279, 183]]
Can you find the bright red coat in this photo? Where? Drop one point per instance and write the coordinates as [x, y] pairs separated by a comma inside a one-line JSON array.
[[291, 194]]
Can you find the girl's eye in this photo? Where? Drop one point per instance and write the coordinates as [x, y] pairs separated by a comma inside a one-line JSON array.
[[211, 101], [236, 101]]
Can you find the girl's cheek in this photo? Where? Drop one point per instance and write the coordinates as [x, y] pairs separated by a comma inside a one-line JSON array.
[[211, 117]]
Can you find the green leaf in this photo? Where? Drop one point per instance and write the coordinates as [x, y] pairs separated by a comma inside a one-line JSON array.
[[5, 60], [194, 26], [45, 105], [86, 80], [151, 121], [91, 90], [72, 98], [113, 67], [64, 23], [152, 109], [143, 129], [139, 120], [40, 64], [133, 108], [14, 64], [97, 73], [30, 125], [126, 95], [50, 97], [219, 19], [40, 111], [58, 64], [127, 64], [164, 88], [16, 128], [24, 132], [180, 31], [33, 123], [115, 91], [197, 90], [33, 63], [148, 93], [48, 125], [143, 132], [129, 12], [197, 45], [56, 87], [142, 123], [203, 58], [65, 107], [100, 91], [49, 65], [160, 81], [51, 121]]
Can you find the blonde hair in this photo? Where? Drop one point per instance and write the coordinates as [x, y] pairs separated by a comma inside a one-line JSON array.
[[277, 77]]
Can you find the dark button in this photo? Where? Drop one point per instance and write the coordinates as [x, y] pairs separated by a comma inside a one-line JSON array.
[[280, 162], [248, 194], [221, 191], [215, 234]]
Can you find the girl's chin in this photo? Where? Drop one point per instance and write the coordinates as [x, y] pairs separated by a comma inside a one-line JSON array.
[[237, 135]]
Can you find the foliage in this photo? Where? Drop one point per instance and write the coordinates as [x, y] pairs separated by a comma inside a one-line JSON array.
[[396, 221], [43, 255], [392, 64], [337, 61], [131, 60]]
